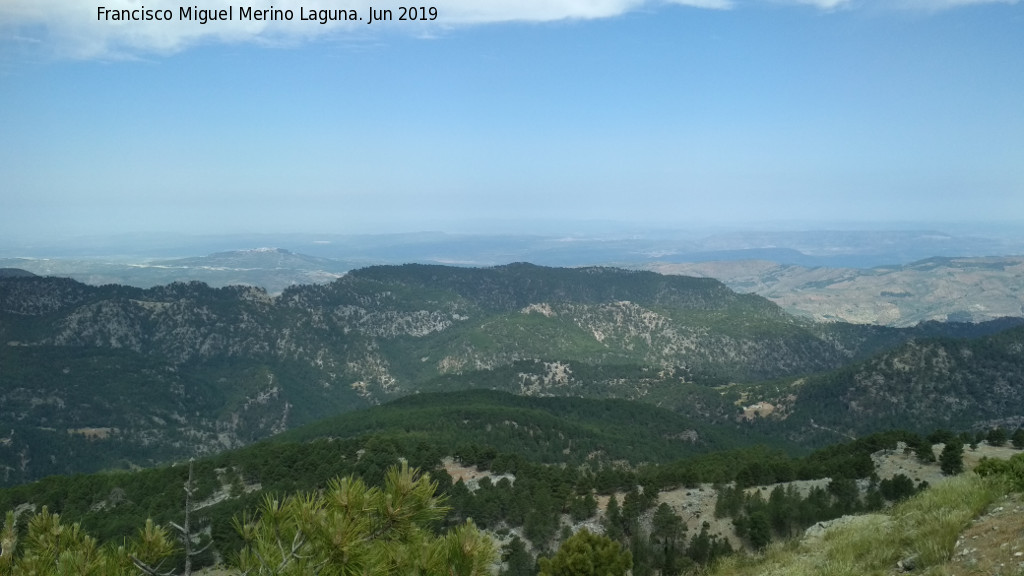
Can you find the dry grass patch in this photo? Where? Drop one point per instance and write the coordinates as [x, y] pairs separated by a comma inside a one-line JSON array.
[[922, 531]]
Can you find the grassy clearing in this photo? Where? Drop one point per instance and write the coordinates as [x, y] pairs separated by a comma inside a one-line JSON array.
[[924, 528]]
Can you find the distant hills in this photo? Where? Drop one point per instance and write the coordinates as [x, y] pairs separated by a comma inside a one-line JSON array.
[[955, 289], [272, 269], [876, 277], [257, 258], [574, 244], [116, 376]]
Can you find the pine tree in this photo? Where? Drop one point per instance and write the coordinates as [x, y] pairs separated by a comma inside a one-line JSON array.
[[613, 520], [587, 554], [668, 535], [518, 561], [996, 437], [54, 548], [952, 458], [353, 529], [759, 533], [632, 508], [922, 449], [1018, 439], [582, 507], [700, 545]]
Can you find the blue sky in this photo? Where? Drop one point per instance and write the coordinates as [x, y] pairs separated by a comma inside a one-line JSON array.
[[506, 114]]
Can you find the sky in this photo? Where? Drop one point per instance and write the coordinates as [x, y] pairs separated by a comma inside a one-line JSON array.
[[498, 115]]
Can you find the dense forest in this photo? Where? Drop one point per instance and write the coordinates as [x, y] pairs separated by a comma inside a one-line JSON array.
[[536, 488], [657, 422], [105, 377]]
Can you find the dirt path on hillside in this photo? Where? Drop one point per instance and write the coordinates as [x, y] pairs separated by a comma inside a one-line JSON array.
[[994, 543]]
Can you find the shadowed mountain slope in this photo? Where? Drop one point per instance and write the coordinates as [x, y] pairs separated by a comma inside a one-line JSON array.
[[112, 376]]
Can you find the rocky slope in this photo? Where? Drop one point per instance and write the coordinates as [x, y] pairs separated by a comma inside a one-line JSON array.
[[919, 386], [152, 374]]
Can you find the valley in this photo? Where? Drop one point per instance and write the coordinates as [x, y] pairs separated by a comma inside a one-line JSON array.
[[558, 288], [528, 471], [196, 369], [544, 400]]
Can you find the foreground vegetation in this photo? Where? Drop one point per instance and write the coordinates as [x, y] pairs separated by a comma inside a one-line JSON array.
[[348, 529], [352, 528], [405, 526], [558, 453], [918, 535]]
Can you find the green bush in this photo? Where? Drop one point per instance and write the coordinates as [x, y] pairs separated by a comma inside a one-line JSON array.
[[587, 554]]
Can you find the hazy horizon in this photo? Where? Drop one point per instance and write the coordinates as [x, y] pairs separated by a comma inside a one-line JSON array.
[[595, 243], [498, 117], [594, 229]]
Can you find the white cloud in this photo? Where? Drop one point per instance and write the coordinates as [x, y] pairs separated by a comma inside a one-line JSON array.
[[70, 28], [926, 5], [823, 4], [947, 4], [710, 4]]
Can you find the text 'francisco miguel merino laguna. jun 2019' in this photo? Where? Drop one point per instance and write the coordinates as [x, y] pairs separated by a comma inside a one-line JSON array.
[[270, 14]]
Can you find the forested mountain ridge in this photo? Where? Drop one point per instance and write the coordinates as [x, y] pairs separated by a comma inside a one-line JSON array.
[[503, 433], [538, 464], [159, 373], [15, 273], [918, 386]]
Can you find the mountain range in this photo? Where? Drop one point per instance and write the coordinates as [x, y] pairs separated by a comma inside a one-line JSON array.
[[119, 377], [847, 276], [272, 269]]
